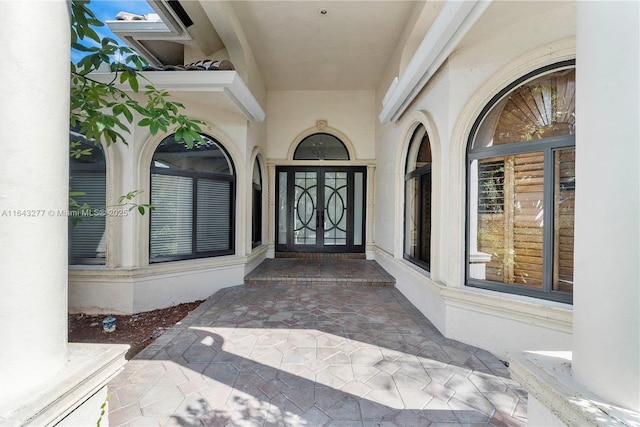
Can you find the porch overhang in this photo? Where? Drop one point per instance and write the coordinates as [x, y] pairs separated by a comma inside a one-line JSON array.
[[235, 92], [450, 26]]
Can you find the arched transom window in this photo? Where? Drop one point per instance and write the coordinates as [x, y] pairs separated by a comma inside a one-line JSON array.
[[321, 146], [522, 186], [192, 192]]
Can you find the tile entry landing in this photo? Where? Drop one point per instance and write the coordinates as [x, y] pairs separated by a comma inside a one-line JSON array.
[[331, 270]]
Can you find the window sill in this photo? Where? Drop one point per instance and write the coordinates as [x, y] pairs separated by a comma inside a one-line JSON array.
[[549, 314]]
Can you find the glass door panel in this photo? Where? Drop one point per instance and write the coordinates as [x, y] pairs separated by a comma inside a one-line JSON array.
[[320, 209], [305, 208], [335, 209], [358, 209]]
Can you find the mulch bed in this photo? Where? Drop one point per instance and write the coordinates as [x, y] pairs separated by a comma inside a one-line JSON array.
[[138, 330]]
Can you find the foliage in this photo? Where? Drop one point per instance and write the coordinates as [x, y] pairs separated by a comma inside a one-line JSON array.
[[103, 410], [101, 111], [129, 197]]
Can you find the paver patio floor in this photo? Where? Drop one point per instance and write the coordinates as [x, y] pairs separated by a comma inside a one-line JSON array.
[[312, 356]]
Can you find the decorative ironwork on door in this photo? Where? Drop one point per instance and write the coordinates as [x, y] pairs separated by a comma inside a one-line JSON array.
[[320, 209], [305, 210], [334, 217]]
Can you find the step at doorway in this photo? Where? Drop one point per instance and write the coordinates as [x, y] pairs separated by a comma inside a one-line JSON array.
[[314, 270], [321, 255]]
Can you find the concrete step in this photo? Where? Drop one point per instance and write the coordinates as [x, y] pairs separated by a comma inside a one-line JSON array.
[[325, 271], [320, 255]]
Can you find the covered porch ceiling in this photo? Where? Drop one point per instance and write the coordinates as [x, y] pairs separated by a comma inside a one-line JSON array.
[[323, 45], [301, 44]]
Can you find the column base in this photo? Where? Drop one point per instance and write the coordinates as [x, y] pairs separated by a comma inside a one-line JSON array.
[[74, 395], [557, 398]]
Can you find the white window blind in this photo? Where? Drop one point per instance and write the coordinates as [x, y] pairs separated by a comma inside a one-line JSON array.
[[171, 221], [85, 232], [214, 216]]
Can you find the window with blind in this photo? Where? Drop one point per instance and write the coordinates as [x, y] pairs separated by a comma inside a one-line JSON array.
[[417, 221], [521, 188], [88, 185], [192, 192]]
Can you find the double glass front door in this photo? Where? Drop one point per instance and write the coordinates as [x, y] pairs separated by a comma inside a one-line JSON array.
[[321, 209]]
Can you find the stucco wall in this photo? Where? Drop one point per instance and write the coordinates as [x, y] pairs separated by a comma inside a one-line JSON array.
[[510, 39], [128, 283], [292, 112]]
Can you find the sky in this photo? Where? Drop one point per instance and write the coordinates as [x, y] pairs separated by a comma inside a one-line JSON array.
[[106, 10]]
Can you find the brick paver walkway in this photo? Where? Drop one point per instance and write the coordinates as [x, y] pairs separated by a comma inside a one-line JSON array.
[[312, 356]]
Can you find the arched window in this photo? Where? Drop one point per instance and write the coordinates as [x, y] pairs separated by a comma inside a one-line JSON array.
[[193, 195], [321, 146], [417, 208], [521, 188], [256, 209], [87, 214]]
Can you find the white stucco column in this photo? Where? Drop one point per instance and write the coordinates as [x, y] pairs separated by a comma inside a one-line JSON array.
[[606, 350], [34, 146]]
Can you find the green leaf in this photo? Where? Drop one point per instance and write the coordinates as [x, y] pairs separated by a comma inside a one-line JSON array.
[[145, 122], [133, 82], [188, 139], [89, 32]]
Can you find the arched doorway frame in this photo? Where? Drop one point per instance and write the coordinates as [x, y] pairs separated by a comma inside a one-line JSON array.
[[354, 160]]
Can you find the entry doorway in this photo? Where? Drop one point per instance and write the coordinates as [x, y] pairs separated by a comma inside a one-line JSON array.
[[321, 209]]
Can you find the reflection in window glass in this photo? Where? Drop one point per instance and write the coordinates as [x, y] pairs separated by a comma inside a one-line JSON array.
[[512, 232], [521, 189], [335, 210], [538, 109], [256, 206], [563, 218], [321, 146], [358, 208], [202, 157], [417, 233], [282, 208], [304, 208]]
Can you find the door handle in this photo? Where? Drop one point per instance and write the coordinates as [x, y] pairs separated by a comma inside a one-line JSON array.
[[320, 218]]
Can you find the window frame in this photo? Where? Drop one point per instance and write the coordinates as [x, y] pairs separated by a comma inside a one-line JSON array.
[[195, 177], [548, 146], [417, 174], [97, 212], [256, 209], [301, 144]]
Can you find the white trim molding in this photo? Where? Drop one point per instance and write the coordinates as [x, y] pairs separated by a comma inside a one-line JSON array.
[[450, 26], [99, 290], [547, 314], [322, 127], [228, 82], [548, 379], [67, 398]]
